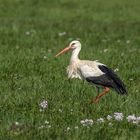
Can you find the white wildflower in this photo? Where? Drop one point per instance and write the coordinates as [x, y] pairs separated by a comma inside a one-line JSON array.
[[109, 117], [48, 126], [45, 57], [28, 33], [100, 120], [16, 123], [110, 124], [46, 122], [62, 33], [128, 41], [86, 122], [131, 118], [60, 110], [138, 118], [135, 122], [71, 110], [105, 50], [68, 128], [116, 69], [44, 104], [118, 116], [41, 127], [76, 127], [82, 121], [45, 125]]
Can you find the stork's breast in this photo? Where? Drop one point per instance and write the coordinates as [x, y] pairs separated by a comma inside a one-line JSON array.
[[73, 72]]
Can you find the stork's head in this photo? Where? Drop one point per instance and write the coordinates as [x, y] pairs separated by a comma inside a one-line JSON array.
[[72, 46], [75, 44]]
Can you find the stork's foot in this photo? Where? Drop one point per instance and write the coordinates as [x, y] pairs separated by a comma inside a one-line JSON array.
[[95, 101]]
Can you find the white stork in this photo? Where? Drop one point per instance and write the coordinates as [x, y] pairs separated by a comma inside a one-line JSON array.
[[93, 72]]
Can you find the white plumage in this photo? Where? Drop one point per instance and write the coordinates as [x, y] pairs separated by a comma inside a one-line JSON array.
[[83, 68]]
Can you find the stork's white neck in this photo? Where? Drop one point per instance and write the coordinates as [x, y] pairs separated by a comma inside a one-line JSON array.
[[75, 53]]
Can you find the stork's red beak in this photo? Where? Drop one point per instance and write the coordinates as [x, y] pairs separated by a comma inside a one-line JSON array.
[[63, 51]]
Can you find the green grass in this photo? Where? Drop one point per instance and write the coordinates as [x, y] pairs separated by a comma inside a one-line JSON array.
[[26, 77]]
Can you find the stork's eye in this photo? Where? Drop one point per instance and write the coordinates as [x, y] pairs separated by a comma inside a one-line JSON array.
[[73, 44]]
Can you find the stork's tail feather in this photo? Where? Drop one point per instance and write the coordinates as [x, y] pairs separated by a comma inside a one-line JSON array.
[[119, 87], [116, 83]]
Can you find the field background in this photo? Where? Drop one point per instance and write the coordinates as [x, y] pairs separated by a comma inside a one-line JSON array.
[[30, 37]]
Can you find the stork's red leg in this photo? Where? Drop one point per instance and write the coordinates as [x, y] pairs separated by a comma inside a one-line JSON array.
[[106, 89]]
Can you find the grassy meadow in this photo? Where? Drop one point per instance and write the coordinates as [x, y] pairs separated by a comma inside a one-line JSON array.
[[31, 33]]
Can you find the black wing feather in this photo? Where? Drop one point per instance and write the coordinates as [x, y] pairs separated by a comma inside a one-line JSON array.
[[109, 79]]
